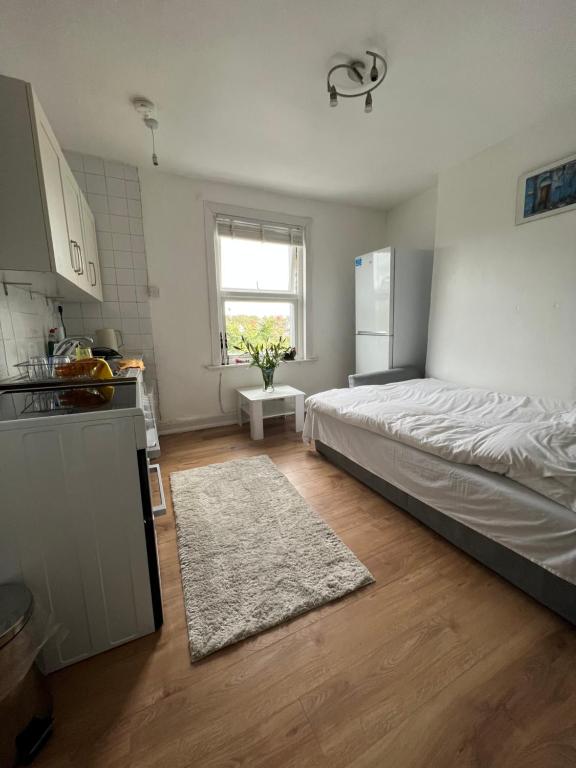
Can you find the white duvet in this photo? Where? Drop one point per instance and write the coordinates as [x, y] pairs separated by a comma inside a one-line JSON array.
[[529, 439]]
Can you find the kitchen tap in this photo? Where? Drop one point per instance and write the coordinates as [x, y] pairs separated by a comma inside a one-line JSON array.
[[70, 343]]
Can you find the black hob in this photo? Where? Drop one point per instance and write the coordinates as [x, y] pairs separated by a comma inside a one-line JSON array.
[[35, 403]]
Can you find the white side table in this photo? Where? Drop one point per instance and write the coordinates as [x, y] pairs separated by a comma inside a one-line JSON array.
[[251, 401]]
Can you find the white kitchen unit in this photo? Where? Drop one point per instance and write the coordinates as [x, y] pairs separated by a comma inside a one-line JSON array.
[[392, 307], [76, 515], [45, 223]]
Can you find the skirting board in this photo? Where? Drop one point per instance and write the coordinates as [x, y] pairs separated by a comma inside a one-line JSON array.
[[195, 424], [545, 587], [192, 425]]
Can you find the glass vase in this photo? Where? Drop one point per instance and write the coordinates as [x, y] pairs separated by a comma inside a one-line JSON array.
[[268, 377]]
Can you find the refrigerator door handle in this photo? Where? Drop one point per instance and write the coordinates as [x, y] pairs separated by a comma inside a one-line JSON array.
[[373, 333]]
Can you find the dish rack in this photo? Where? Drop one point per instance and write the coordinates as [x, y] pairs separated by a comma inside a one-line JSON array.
[[65, 368], [42, 367]]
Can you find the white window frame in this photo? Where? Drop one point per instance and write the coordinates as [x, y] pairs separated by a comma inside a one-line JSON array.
[[217, 297]]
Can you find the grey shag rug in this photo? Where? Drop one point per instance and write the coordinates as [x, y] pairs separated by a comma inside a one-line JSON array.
[[252, 552]]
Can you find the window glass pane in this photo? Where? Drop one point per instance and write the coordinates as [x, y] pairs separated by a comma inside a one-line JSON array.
[[255, 266], [258, 321]]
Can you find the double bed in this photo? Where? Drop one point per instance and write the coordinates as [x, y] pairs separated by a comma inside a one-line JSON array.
[[494, 474]]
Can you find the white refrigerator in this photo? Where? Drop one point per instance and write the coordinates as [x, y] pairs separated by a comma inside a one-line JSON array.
[[392, 308]]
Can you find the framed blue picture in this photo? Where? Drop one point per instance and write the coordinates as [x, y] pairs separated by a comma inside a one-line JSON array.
[[546, 191]]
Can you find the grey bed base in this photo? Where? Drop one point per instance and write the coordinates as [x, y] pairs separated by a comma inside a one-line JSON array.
[[550, 590]]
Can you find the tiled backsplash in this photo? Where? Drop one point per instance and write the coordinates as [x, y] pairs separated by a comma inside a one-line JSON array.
[[25, 320], [113, 193]]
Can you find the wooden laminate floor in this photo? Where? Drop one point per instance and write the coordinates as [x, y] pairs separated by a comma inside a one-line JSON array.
[[439, 663]]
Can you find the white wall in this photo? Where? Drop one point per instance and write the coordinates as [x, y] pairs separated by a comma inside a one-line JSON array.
[[504, 296], [412, 224], [25, 319], [174, 231]]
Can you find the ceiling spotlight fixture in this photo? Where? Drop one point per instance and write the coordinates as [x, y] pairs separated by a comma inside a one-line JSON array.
[[355, 70], [374, 70], [146, 109]]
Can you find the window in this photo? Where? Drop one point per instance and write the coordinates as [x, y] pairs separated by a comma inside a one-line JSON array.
[[259, 281]]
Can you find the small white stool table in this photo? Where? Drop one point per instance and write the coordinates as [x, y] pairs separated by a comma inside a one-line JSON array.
[[251, 401]]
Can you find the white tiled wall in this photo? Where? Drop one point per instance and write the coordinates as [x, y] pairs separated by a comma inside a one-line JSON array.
[[25, 320], [113, 193]]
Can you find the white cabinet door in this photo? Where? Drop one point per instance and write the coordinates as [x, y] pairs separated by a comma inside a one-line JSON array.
[[72, 203], [91, 251], [374, 273], [63, 252], [82, 552], [373, 353]]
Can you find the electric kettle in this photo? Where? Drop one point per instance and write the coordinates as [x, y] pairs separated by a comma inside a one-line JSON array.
[[109, 337]]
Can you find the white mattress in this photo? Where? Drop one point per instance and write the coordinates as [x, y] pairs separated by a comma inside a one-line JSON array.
[[531, 440], [501, 509]]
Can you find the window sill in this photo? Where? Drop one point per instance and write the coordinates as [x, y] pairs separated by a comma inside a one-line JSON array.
[[221, 367]]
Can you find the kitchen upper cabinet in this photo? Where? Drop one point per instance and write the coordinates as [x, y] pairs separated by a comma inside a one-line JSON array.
[[45, 223], [91, 251]]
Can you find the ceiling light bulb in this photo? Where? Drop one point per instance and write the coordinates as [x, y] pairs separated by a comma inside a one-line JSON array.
[[333, 96], [374, 72], [368, 103]]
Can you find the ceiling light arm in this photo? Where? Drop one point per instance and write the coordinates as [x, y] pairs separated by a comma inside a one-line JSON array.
[[329, 86], [332, 89]]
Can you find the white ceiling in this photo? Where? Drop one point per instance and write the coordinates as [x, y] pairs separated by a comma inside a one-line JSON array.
[[240, 84]]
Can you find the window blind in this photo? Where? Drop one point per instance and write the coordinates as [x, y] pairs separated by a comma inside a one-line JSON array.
[[259, 230]]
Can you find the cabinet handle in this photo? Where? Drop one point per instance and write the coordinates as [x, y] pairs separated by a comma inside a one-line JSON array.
[[80, 259], [74, 255], [92, 269], [72, 250]]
